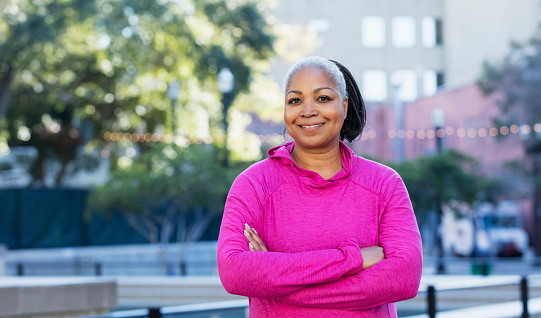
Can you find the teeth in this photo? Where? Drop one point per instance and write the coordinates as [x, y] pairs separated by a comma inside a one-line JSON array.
[[312, 126]]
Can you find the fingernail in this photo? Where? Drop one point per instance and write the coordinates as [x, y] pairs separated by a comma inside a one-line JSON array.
[[254, 231], [246, 233], [246, 226], [251, 245]]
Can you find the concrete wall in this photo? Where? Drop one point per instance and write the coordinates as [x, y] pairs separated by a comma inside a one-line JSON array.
[[151, 291], [483, 29], [56, 297]]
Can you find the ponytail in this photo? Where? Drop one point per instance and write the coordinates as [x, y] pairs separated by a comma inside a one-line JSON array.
[[356, 115]]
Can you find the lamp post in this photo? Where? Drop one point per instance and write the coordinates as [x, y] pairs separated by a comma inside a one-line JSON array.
[[438, 119], [398, 106], [226, 83], [172, 93]]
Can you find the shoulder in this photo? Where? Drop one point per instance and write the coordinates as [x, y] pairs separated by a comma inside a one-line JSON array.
[[263, 176], [375, 177]]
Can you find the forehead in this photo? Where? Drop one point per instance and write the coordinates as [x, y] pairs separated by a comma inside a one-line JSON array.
[[311, 75]]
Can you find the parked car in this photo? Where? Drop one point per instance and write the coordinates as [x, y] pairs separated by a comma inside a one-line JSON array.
[[505, 228]]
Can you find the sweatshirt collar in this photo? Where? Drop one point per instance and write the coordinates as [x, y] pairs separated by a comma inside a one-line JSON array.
[[283, 152]]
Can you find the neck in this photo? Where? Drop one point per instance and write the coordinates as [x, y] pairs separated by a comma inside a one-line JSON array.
[[325, 162]]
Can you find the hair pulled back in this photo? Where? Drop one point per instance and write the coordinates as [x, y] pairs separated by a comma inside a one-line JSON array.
[[356, 117], [347, 87]]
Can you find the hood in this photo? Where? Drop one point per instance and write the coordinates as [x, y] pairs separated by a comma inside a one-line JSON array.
[[283, 153]]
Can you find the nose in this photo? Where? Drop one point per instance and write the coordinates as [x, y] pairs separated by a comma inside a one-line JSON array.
[[308, 110]]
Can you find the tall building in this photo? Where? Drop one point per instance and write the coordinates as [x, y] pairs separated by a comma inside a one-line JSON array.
[[408, 46]]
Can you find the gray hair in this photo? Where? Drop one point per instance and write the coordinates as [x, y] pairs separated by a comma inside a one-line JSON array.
[[322, 64]]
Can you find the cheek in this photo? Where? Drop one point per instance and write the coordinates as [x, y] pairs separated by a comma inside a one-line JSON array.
[[288, 115]]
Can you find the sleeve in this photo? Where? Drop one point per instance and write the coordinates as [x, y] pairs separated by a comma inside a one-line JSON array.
[[270, 274], [393, 279]]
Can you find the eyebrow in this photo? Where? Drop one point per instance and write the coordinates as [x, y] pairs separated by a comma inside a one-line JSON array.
[[315, 90]]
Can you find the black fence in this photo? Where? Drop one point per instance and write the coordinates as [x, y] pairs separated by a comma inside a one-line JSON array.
[[111, 268], [522, 283], [239, 308], [49, 218]]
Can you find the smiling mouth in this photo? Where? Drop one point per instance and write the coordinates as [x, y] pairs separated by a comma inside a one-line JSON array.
[[312, 126]]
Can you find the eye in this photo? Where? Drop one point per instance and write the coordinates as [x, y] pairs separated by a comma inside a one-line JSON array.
[[323, 98], [294, 100]]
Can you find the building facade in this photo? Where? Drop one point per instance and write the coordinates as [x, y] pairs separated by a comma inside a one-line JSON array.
[[408, 48]]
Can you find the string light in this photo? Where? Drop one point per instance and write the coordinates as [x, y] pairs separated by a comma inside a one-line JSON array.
[[369, 134], [513, 129], [482, 132]]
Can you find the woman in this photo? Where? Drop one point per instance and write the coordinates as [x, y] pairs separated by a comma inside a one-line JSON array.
[[315, 231]]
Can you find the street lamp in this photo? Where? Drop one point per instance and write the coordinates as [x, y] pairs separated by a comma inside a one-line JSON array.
[[438, 119], [172, 93], [226, 83], [399, 117]]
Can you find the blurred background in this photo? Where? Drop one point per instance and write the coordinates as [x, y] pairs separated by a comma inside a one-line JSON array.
[[123, 124]]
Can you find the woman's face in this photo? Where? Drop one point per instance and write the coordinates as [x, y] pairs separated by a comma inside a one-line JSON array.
[[314, 113]]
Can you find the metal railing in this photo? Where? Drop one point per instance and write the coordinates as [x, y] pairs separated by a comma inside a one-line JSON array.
[[101, 268], [522, 282], [222, 309], [430, 291], [238, 308]]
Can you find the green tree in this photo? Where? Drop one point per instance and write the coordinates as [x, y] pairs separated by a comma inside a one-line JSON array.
[[444, 177], [517, 81], [168, 193], [72, 70]]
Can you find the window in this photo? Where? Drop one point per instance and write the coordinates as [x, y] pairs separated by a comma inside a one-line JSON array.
[[440, 79], [407, 82], [432, 32], [373, 31], [432, 80], [430, 85], [403, 31], [374, 86]]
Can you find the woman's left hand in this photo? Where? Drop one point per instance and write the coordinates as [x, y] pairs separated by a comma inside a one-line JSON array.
[[254, 241]]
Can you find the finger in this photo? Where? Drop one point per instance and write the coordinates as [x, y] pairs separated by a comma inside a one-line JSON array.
[[252, 241], [259, 241]]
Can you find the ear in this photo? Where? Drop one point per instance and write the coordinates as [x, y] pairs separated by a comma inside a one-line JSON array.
[[346, 100]]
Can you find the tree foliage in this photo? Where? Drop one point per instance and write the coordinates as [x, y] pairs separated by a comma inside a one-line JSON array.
[[518, 80], [71, 70], [451, 175], [166, 187]]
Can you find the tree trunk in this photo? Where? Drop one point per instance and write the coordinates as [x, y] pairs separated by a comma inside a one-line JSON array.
[[4, 91], [38, 170], [60, 175]]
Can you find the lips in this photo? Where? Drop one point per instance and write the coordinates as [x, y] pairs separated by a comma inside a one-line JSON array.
[[311, 126]]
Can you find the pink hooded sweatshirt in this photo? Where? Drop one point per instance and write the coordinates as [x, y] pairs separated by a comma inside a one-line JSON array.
[[314, 229]]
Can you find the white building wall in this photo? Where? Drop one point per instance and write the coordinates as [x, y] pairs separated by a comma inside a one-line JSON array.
[[472, 32], [483, 30]]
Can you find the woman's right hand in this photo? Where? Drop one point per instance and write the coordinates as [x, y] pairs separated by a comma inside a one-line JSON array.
[[372, 255]]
